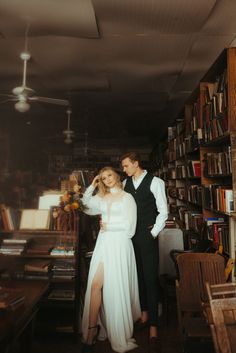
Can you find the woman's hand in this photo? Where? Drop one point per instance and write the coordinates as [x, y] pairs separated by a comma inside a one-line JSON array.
[[95, 181], [102, 226]]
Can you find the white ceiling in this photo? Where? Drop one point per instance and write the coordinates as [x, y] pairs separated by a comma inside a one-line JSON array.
[[127, 66]]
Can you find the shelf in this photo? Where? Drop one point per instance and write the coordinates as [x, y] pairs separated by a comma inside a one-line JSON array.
[[14, 266], [218, 212], [194, 151], [217, 141], [210, 114], [218, 176], [66, 257]]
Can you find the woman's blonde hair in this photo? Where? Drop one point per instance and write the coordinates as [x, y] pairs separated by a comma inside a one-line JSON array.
[[103, 189]]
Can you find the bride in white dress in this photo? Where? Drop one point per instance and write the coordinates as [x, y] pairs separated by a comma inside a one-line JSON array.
[[112, 299]]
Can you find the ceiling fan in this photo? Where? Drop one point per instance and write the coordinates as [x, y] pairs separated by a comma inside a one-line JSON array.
[[69, 134], [24, 95]]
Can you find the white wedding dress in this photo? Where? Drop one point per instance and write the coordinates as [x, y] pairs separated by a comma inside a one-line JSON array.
[[120, 298]]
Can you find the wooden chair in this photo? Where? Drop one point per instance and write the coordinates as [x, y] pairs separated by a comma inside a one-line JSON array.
[[222, 319], [195, 269]]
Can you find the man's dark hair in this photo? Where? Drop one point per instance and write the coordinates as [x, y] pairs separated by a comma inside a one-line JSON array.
[[133, 156]]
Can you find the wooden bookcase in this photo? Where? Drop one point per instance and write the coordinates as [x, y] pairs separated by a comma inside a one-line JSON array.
[[209, 137], [60, 311]]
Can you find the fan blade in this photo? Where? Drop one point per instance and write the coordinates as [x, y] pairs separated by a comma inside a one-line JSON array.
[[9, 100], [64, 102], [7, 95], [23, 90]]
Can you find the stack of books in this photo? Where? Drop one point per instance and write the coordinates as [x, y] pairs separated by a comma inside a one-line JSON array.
[[63, 269], [13, 246], [62, 294], [37, 269], [63, 251]]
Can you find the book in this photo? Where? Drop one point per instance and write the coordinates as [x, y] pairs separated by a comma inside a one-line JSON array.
[[15, 241], [62, 251], [35, 219], [62, 294], [47, 201], [39, 249], [37, 265], [229, 201]]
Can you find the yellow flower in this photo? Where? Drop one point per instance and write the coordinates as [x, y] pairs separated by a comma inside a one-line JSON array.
[[74, 205], [67, 208]]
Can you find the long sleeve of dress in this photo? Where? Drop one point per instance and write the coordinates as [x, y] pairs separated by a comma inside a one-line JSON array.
[[93, 203], [128, 219]]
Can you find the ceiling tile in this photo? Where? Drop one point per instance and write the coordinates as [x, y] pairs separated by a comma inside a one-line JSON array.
[[46, 17]]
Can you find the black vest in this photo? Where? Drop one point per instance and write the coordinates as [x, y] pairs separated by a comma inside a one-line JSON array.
[[145, 200]]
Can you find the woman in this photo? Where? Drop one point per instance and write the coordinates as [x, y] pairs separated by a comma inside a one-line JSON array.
[[111, 299]]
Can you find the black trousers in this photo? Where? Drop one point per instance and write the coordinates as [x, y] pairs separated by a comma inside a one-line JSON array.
[[147, 260]]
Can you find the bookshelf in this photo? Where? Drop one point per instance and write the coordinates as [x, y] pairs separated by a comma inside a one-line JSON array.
[[35, 261], [198, 164]]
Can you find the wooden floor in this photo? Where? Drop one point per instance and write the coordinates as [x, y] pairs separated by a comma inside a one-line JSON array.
[[169, 334]]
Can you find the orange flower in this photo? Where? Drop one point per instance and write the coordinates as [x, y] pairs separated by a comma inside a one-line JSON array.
[[65, 197], [74, 205]]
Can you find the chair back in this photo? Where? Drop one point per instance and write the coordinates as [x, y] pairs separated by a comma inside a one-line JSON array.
[[195, 269], [222, 299]]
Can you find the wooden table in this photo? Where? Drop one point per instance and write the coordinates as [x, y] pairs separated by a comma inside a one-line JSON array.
[[17, 324]]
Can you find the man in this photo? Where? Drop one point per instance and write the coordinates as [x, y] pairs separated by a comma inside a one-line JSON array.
[[149, 194]]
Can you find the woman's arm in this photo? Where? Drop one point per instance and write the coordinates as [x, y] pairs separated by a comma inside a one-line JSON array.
[[91, 202]]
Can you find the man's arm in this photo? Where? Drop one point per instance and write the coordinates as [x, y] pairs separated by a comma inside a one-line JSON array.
[[158, 190]]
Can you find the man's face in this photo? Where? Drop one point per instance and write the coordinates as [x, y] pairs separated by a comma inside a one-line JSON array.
[[129, 167]]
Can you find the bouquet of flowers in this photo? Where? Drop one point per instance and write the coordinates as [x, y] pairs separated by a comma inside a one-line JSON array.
[[72, 200]]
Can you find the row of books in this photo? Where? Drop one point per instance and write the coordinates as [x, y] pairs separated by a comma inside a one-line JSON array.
[[215, 229], [216, 127], [195, 121], [192, 169], [192, 193], [215, 114], [18, 246], [218, 232], [212, 196], [43, 269], [9, 218], [218, 163], [13, 246], [218, 197], [207, 124], [193, 220], [195, 194], [179, 147]]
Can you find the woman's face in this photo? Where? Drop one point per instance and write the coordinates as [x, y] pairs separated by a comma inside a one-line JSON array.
[[109, 178]]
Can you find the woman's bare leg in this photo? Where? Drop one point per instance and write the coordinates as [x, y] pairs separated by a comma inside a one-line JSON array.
[[95, 302]]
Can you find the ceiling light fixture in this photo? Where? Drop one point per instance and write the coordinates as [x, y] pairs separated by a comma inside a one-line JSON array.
[[22, 106], [68, 140], [68, 132]]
